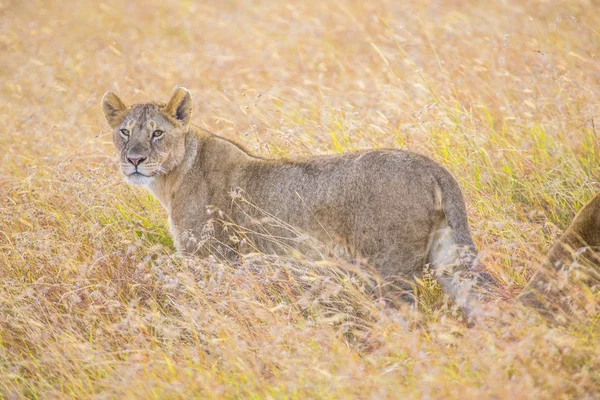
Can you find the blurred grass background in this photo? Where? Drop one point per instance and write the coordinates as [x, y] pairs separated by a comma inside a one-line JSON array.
[[93, 303]]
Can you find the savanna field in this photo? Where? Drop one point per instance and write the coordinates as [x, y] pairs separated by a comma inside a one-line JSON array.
[[94, 302]]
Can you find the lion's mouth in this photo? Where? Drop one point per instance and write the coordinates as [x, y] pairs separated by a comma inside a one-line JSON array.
[[137, 173], [138, 178], [146, 174]]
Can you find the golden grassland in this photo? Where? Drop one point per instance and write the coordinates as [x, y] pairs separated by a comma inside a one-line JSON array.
[[93, 301]]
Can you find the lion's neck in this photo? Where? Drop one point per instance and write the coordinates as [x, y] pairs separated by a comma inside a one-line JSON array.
[[164, 186], [219, 156]]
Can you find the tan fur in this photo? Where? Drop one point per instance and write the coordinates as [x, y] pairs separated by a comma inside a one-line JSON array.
[[395, 209], [583, 232], [573, 256]]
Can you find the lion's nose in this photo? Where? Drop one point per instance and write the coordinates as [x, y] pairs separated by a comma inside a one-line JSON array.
[[136, 161]]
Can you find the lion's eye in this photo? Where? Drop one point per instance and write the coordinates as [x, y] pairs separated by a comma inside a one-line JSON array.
[[157, 134], [124, 132]]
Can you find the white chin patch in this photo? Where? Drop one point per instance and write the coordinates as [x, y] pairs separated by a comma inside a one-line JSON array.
[[138, 179]]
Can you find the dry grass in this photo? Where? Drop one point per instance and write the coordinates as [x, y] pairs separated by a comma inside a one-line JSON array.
[[93, 303]]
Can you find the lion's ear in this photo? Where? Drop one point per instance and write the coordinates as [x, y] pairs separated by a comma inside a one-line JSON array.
[[113, 109], [180, 106]]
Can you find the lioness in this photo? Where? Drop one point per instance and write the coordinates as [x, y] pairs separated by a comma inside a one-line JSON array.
[[395, 209], [575, 255]]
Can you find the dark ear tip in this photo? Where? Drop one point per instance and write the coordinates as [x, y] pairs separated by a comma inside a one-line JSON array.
[[106, 96], [110, 99], [183, 92], [180, 105]]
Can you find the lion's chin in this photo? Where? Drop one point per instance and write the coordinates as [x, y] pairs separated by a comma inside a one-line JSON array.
[[138, 179]]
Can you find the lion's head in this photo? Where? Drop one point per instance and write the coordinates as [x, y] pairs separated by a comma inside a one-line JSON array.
[[150, 137]]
